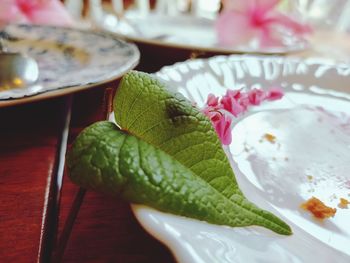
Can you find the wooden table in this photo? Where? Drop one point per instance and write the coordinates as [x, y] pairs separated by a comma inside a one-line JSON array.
[[36, 196]]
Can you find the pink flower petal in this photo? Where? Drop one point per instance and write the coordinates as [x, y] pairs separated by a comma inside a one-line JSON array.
[[233, 28], [274, 94], [223, 129], [212, 100], [256, 96], [214, 116], [244, 101], [236, 94], [212, 113], [234, 102], [231, 105]]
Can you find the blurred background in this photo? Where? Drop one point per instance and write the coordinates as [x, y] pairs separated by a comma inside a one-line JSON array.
[[321, 13], [329, 20]]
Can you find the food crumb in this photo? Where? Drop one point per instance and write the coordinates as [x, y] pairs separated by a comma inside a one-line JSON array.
[[343, 203], [310, 177], [318, 208], [269, 137], [286, 159]]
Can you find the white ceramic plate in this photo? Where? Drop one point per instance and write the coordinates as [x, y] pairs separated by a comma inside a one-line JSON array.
[[68, 59], [189, 32], [311, 157]]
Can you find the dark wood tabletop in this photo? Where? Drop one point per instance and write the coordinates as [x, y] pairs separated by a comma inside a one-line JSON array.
[[29, 139]]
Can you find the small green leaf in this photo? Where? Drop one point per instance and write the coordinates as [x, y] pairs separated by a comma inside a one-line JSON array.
[[167, 156]]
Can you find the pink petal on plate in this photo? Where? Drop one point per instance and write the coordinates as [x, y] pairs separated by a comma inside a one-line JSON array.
[[236, 94], [256, 96], [212, 113], [212, 100], [244, 101], [215, 116], [233, 28], [274, 94], [231, 105], [223, 129]]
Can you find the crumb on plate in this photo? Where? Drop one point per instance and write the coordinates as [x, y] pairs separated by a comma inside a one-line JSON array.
[[318, 208], [270, 137], [343, 203]]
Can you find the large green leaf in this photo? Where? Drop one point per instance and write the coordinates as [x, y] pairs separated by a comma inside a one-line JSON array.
[[146, 108], [167, 156], [107, 159]]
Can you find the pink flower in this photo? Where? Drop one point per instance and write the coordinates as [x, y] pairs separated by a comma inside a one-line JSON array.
[[51, 12], [244, 101], [274, 94], [215, 116], [212, 100], [235, 102], [222, 125], [230, 102], [256, 96], [236, 94], [242, 20]]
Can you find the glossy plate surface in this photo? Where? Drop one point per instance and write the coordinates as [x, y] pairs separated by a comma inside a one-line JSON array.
[[309, 157], [168, 31], [68, 59]]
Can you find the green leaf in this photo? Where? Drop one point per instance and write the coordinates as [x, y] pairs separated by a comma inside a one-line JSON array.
[[167, 156], [107, 159], [144, 107]]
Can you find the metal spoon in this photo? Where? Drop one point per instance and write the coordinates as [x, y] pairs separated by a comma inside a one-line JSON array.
[[16, 70]]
